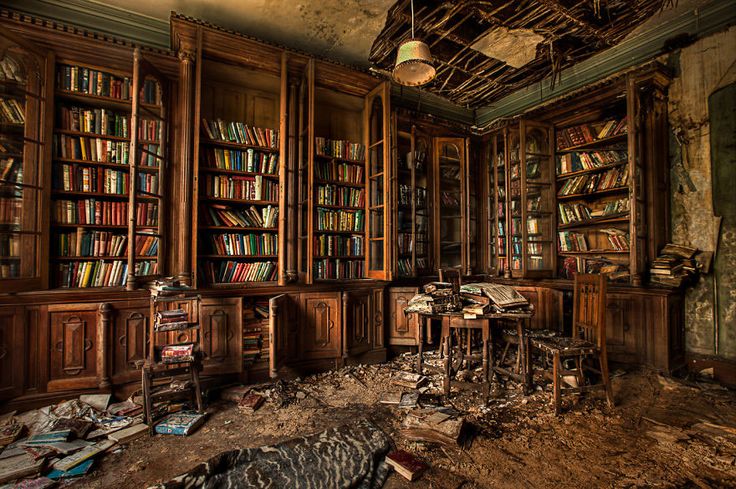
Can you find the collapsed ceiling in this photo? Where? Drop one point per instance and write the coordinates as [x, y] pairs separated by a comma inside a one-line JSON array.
[[484, 50]]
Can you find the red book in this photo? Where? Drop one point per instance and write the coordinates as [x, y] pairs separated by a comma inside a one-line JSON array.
[[406, 464]]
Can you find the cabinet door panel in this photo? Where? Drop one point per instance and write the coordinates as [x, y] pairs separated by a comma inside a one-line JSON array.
[[320, 332], [358, 325], [128, 341], [622, 343], [221, 336], [11, 352], [403, 330], [377, 310], [73, 349]]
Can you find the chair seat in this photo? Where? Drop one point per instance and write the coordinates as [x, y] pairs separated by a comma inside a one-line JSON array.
[[531, 333], [565, 345]]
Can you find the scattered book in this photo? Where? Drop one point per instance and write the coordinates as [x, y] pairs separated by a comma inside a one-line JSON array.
[[49, 437], [235, 394], [251, 402], [65, 447], [409, 379], [76, 471], [406, 464], [80, 428], [37, 483], [180, 424], [10, 432], [67, 463], [391, 398], [409, 400], [97, 401], [126, 435], [20, 466]]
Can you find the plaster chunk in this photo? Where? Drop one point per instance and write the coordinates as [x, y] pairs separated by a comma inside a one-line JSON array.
[[515, 47]]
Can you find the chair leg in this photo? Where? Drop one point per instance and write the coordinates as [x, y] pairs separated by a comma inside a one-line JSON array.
[[557, 378], [603, 361], [580, 375]]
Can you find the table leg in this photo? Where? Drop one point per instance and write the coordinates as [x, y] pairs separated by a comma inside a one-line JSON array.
[[448, 362], [523, 352], [420, 340]]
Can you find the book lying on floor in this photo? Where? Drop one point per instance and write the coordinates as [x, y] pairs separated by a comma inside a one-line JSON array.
[[10, 432], [391, 398], [23, 465], [126, 435], [50, 437], [76, 471], [86, 453], [406, 464], [180, 423], [409, 379], [251, 402]]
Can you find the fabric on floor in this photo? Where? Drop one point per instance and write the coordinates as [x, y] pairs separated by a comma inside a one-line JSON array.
[[348, 456]]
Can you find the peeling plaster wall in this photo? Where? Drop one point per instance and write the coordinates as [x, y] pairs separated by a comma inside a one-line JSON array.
[[704, 67]]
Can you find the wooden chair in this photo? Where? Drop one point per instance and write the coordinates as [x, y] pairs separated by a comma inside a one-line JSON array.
[[588, 341]]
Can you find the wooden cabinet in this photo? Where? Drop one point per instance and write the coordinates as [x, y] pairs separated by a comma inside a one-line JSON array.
[[548, 307], [11, 356], [221, 335], [403, 330], [624, 336], [450, 196], [320, 332], [128, 340], [72, 347], [363, 321]]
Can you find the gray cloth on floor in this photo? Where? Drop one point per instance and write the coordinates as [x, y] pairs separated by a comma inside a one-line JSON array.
[[348, 456]]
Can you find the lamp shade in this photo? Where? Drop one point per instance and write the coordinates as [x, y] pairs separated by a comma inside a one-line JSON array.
[[413, 64]]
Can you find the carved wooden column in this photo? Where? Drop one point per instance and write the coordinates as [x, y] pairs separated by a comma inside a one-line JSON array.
[[344, 326], [104, 318], [183, 207], [292, 188]]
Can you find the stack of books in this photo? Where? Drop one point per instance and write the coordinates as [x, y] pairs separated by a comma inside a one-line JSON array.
[[677, 265], [172, 320]]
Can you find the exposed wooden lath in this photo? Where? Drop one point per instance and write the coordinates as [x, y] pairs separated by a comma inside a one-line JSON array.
[[572, 31]]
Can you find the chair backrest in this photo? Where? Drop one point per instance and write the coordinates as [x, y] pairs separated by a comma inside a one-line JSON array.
[[589, 308], [453, 276]]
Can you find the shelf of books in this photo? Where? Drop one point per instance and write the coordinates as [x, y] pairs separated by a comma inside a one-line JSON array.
[[93, 174], [496, 183], [593, 201], [412, 205], [255, 335], [449, 168], [23, 156], [238, 174]]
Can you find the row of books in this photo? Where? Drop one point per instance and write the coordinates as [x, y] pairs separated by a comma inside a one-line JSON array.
[[404, 243], [146, 214], [150, 155], [11, 111], [572, 265], [405, 195], [532, 226], [579, 212], [339, 148], [618, 239], [90, 211], [93, 82], [150, 94], [329, 245], [337, 195], [340, 220], [450, 199], [91, 149], [572, 241], [11, 170], [340, 172], [10, 210], [221, 215], [249, 160], [588, 160], [147, 182], [405, 267], [92, 273], [245, 244], [587, 184], [10, 270], [95, 121], [331, 268], [533, 169], [240, 132], [535, 248], [588, 133], [75, 178], [9, 245], [238, 272], [10, 70], [144, 268], [150, 130], [146, 245], [242, 188], [91, 243]]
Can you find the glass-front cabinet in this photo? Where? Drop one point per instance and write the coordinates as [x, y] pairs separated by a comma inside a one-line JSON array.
[[495, 173], [450, 197], [24, 151]]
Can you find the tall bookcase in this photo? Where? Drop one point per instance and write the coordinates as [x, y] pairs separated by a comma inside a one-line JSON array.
[[26, 88], [109, 155], [344, 180], [450, 196], [494, 148], [413, 204], [239, 172]]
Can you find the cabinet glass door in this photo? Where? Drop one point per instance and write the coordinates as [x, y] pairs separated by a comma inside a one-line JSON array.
[[496, 158], [23, 151], [420, 164], [450, 172], [516, 203], [376, 118]]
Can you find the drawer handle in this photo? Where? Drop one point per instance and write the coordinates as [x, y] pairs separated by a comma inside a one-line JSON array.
[[87, 344]]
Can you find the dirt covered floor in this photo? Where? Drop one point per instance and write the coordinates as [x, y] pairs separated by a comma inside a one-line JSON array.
[[662, 433]]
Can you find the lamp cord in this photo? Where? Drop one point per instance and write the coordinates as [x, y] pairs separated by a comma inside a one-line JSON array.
[[412, 18]]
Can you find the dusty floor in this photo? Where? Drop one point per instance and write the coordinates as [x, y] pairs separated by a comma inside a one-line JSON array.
[[662, 433]]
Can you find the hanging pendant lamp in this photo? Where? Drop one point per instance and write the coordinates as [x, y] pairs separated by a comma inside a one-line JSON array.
[[413, 61]]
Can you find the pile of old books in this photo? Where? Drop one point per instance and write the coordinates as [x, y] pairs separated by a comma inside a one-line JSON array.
[[180, 353], [166, 286], [679, 265], [438, 298], [482, 297], [172, 320]]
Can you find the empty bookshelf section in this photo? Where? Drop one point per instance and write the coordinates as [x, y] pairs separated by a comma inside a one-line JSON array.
[[238, 175]]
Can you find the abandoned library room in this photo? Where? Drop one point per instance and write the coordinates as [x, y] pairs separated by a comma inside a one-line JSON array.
[[365, 244]]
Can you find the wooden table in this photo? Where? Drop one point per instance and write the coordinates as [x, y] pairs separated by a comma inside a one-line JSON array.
[[484, 323]]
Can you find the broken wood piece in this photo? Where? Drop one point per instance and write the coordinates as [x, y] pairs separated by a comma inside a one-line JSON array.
[[406, 464]]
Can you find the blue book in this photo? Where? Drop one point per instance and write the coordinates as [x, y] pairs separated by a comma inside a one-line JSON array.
[[77, 471], [183, 423]]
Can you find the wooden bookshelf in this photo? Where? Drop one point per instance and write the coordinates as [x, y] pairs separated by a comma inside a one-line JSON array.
[[251, 104], [450, 171]]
